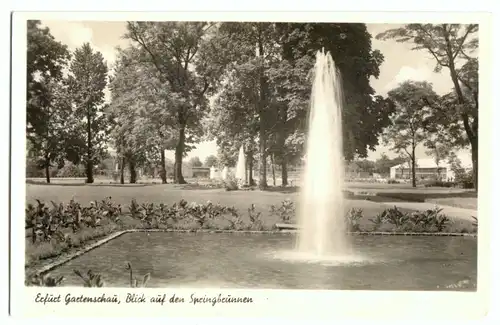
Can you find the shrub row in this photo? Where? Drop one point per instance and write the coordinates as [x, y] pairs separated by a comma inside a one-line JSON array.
[[418, 221], [50, 222], [61, 222]]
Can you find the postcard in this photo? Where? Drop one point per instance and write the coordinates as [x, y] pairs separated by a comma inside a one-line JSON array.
[[250, 164]]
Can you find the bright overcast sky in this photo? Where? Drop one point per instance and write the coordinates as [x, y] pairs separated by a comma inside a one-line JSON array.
[[400, 64]]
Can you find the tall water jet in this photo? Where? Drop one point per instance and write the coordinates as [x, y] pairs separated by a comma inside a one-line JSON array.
[[321, 219], [240, 174]]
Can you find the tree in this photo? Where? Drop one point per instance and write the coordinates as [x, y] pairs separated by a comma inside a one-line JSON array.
[[51, 141], [210, 161], [364, 115], [365, 165], [139, 96], [46, 107], [172, 48], [291, 87], [384, 163], [195, 162], [246, 52], [409, 122], [439, 151], [46, 59], [87, 80], [449, 44], [233, 118]]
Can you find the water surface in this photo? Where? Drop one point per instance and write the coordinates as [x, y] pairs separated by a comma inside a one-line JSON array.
[[260, 261]]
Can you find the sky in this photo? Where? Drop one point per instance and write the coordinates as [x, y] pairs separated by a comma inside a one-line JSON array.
[[401, 63]]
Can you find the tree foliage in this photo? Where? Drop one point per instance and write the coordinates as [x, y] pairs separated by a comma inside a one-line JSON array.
[[195, 162], [140, 107], [87, 80], [46, 59], [171, 48], [53, 141], [210, 161], [452, 46], [47, 108], [266, 98], [364, 116], [410, 120]]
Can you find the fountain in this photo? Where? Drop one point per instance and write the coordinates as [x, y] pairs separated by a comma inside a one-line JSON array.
[[321, 219], [225, 172], [240, 174]]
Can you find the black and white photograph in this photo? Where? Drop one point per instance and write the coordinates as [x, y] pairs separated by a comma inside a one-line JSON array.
[[244, 154]]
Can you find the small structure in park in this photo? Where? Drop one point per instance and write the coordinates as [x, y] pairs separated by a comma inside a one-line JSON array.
[[200, 172], [425, 168]]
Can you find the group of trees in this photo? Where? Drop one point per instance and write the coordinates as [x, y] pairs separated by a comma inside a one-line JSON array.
[[65, 103], [441, 123], [179, 83], [380, 166], [240, 84]]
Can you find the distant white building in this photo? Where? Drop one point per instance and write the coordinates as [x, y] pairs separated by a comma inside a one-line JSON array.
[[425, 168]]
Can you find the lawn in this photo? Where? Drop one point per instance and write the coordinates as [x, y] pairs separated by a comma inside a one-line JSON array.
[[458, 202]]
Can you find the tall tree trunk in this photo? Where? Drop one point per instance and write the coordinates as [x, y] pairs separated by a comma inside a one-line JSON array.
[[284, 171], [413, 168], [133, 174], [475, 169], [272, 170], [263, 158], [163, 170], [250, 168], [262, 118], [179, 151], [282, 135], [47, 172], [47, 160], [122, 171], [90, 169]]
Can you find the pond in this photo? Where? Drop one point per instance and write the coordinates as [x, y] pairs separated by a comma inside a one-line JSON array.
[[265, 261]]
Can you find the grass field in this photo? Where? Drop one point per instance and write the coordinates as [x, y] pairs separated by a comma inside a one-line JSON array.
[[65, 189]]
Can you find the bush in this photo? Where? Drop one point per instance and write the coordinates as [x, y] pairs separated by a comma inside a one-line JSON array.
[[465, 179], [48, 223], [418, 221], [231, 184], [254, 216], [71, 170], [352, 219], [436, 183], [285, 212], [392, 181], [33, 170]]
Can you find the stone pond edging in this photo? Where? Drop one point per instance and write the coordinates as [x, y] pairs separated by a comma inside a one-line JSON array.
[[63, 260]]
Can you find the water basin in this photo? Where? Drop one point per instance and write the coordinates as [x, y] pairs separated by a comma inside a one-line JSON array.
[[267, 261]]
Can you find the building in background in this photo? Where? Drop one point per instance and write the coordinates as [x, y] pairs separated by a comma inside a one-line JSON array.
[[425, 168]]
